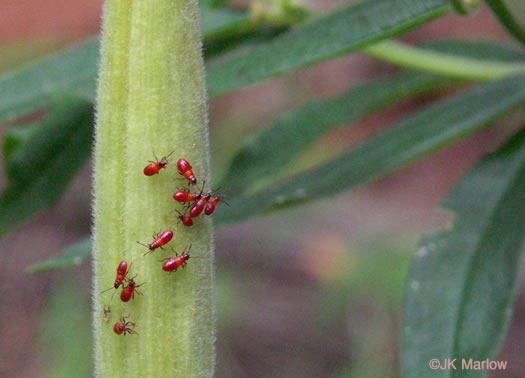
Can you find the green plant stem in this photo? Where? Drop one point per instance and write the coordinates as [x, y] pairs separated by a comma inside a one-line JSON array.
[[151, 99], [447, 65]]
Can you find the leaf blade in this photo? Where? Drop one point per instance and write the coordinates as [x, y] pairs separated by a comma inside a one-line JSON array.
[[462, 281], [74, 69], [32, 87], [73, 255], [43, 159], [338, 33], [422, 133], [264, 155]]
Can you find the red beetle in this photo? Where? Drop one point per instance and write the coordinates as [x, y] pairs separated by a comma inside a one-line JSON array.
[[185, 219], [129, 291], [122, 327], [210, 206], [122, 270], [121, 273], [197, 208], [185, 196], [160, 239], [154, 167], [173, 263], [185, 169]]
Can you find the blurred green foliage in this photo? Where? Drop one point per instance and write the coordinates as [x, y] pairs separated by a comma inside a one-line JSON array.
[[65, 330]]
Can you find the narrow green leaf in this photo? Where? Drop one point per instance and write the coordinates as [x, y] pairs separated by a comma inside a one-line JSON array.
[[338, 33], [43, 157], [74, 70], [424, 132], [32, 87], [511, 13], [461, 285], [262, 156], [73, 255]]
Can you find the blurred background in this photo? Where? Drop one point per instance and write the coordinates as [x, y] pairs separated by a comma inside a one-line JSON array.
[[306, 292]]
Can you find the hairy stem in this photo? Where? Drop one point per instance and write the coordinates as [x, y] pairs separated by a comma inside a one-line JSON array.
[[151, 99]]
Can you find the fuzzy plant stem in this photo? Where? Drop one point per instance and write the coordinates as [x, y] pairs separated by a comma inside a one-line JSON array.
[[151, 99]]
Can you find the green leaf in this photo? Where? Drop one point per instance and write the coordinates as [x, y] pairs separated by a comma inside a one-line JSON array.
[[261, 157], [433, 127], [74, 70], [32, 87], [462, 282], [73, 255], [511, 14], [338, 33], [43, 157]]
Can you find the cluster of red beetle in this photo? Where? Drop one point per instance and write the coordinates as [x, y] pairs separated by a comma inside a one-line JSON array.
[[196, 203]]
